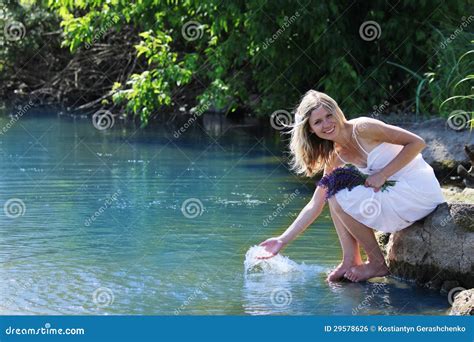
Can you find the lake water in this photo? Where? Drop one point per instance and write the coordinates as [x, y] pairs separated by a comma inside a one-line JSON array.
[[131, 221]]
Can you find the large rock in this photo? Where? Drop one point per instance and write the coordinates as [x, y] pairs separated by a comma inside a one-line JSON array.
[[435, 250], [463, 303], [444, 146]]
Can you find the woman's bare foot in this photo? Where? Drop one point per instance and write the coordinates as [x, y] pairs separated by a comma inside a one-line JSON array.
[[341, 269], [366, 271]]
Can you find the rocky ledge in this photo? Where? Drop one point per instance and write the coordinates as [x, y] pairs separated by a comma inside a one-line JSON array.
[[444, 147], [463, 303], [435, 252]]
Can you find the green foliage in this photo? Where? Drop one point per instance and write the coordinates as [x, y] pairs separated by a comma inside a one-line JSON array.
[[153, 88], [460, 82], [449, 85], [31, 19], [262, 55]]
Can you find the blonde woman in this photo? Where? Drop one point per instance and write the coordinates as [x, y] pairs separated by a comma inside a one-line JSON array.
[[322, 140]]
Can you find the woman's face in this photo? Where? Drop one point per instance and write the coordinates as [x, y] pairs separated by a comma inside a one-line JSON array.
[[324, 124]]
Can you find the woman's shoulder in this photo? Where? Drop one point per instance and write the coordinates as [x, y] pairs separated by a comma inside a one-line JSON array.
[[364, 125], [367, 120]]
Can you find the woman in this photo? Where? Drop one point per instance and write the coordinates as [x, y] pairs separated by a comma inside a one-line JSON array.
[[322, 139]]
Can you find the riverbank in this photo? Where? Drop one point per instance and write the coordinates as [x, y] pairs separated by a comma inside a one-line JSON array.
[[435, 252], [458, 194]]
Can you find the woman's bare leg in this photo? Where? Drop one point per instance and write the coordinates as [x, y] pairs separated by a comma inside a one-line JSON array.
[[375, 265], [350, 246]]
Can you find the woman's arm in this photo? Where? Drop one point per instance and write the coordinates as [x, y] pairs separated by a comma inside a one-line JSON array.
[[308, 214], [372, 129]]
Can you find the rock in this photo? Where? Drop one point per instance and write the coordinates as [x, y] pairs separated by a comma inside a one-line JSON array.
[[444, 147], [382, 238], [463, 216], [463, 304], [456, 194], [448, 285], [435, 249], [468, 174]]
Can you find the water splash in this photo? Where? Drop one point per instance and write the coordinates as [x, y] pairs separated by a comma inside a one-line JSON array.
[[279, 264]]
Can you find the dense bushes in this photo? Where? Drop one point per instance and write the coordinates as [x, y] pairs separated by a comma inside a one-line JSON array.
[[262, 55]]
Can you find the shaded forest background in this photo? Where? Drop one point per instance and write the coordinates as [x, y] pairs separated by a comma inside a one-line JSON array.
[[250, 58]]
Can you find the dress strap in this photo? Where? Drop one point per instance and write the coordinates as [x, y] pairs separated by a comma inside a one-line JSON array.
[[355, 137]]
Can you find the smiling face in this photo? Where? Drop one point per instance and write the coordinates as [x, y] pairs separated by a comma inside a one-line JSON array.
[[324, 124]]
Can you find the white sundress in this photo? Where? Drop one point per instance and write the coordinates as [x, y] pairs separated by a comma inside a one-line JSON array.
[[415, 194]]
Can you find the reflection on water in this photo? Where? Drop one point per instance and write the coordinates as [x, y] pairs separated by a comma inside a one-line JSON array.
[[104, 228]]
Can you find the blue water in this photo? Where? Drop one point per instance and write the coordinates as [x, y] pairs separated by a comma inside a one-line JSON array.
[[95, 226]]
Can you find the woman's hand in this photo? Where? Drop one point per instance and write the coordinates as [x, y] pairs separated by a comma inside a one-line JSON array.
[[272, 247], [376, 181], [309, 213]]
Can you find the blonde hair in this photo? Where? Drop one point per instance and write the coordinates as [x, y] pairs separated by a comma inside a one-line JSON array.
[[309, 153]]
